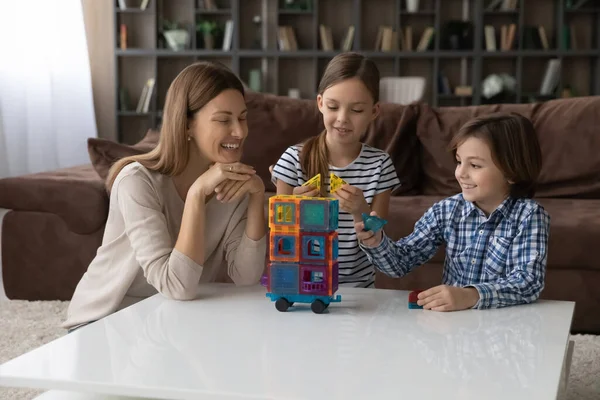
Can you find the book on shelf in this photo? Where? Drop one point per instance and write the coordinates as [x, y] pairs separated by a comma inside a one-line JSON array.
[[287, 38], [388, 39], [490, 38], [210, 5], [551, 77], [502, 5], [507, 37], [408, 39], [326, 37], [123, 36], [348, 39], [444, 84], [426, 39], [228, 35], [463, 91], [143, 105]]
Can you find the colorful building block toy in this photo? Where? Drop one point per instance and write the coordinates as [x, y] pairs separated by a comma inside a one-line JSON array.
[[314, 181], [373, 223], [303, 252], [413, 298], [335, 182]]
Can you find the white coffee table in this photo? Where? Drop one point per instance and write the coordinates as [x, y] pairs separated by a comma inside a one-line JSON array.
[[231, 343]]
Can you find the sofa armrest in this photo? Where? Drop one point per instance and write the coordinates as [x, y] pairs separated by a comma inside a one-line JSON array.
[[76, 194]]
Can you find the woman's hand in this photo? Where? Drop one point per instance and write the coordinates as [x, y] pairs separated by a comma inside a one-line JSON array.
[[218, 174], [230, 190], [352, 200]]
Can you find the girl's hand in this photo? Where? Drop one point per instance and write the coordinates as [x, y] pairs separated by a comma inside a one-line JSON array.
[[448, 298], [231, 190], [368, 238], [309, 191], [352, 200], [206, 183]]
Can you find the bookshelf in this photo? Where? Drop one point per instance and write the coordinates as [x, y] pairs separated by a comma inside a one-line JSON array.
[[261, 55]]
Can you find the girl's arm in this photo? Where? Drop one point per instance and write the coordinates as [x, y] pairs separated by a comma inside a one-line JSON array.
[[284, 188], [381, 204]]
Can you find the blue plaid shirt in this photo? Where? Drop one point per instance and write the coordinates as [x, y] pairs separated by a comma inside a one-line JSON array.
[[503, 256]]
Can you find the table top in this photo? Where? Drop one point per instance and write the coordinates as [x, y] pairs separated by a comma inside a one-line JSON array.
[[231, 343]]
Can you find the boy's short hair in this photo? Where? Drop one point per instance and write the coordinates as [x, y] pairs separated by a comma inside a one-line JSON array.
[[514, 146]]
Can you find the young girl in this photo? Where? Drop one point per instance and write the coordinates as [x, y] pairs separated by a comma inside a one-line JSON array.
[[496, 237], [348, 96]]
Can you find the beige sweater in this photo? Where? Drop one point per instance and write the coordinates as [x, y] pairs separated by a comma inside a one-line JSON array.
[[137, 258]]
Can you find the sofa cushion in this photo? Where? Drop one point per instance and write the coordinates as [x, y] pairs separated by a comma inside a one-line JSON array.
[[75, 194], [567, 131], [404, 212], [103, 152], [574, 228], [574, 232], [274, 123], [394, 131]]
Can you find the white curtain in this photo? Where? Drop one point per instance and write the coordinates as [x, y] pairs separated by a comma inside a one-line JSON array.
[[46, 103]]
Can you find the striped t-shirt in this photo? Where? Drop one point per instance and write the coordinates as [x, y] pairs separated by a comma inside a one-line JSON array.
[[372, 172]]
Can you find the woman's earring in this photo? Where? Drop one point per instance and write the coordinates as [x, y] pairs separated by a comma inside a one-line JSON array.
[[189, 138]]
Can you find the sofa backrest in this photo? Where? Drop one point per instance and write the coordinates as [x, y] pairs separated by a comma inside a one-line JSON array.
[[417, 137], [567, 130]]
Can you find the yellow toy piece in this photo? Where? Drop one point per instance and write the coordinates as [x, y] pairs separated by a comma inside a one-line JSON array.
[[335, 182], [314, 181]]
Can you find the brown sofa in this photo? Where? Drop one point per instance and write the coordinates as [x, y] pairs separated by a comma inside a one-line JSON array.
[[57, 218]]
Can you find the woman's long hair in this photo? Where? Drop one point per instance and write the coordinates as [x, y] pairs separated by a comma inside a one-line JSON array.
[[192, 89]]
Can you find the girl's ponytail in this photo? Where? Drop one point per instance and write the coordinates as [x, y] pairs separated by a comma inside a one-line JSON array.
[[314, 159]]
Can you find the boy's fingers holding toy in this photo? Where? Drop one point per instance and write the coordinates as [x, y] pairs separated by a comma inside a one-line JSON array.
[[359, 226]]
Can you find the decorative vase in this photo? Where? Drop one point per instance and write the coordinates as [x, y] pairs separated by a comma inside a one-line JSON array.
[[209, 41], [412, 5], [177, 39]]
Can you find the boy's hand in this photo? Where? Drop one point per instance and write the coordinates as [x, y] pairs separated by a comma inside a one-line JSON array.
[[368, 238], [448, 298], [352, 200], [309, 191]]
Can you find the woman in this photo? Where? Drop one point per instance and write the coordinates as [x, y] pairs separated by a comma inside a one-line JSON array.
[[184, 213]]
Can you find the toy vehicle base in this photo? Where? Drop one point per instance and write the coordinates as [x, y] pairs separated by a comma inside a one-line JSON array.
[[318, 304], [415, 306]]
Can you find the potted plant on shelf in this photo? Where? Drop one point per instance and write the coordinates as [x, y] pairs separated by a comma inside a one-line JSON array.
[[209, 34]]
